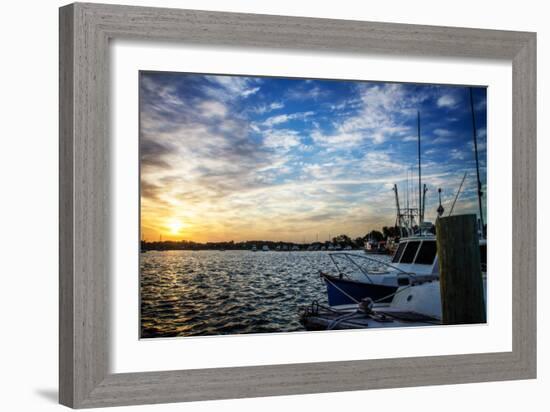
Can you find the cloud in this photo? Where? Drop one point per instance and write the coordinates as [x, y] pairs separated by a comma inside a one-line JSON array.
[[306, 93], [248, 92], [243, 158], [232, 87], [338, 139], [266, 108], [457, 154], [446, 101], [281, 138], [384, 114], [381, 163], [442, 132], [283, 118], [213, 109]]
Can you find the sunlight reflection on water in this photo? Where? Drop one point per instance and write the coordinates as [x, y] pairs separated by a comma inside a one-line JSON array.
[[190, 293]]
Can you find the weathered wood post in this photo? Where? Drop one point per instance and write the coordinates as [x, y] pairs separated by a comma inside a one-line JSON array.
[[461, 283]]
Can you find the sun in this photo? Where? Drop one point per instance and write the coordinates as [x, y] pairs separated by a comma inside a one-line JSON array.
[[175, 226]]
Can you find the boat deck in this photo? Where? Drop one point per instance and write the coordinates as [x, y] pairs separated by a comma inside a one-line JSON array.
[[349, 317]]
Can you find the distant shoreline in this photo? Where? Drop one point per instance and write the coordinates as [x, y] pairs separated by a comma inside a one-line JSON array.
[[247, 246], [340, 242]]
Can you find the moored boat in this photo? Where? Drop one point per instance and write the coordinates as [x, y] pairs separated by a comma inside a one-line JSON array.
[[418, 304], [360, 276]]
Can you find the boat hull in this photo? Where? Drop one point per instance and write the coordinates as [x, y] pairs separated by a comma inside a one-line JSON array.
[[345, 291]]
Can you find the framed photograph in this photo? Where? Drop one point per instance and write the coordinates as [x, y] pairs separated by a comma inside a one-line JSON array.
[[257, 205]]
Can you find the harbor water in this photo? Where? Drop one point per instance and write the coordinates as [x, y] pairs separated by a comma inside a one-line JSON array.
[[197, 293]]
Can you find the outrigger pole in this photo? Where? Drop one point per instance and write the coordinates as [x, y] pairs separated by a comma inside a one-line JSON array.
[[399, 219], [479, 191], [457, 193], [420, 215]]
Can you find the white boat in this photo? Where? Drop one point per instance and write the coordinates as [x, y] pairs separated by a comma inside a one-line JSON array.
[[254, 248], [265, 248], [412, 305], [362, 276]]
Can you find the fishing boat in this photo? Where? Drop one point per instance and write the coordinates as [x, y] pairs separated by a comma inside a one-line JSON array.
[[361, 276], [417, 304], [414, 262], [254, 249], [265, 248]]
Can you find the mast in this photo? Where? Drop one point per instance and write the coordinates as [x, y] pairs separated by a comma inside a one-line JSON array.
[[420, 217], [407, 209], [479, 191]]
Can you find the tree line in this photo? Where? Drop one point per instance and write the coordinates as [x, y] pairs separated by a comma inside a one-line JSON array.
[[342, 240]]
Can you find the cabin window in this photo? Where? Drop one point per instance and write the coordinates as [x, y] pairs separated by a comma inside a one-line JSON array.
[[410, 252], [399, 252], [426, 254], [483, 257]]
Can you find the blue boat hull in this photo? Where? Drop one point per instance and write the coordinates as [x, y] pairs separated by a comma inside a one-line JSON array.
[[345, 291]]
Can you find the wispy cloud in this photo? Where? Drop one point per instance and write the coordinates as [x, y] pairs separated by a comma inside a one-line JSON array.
[[283, 118], [446, 100], [234, 157], [232, 87], [266, 108]]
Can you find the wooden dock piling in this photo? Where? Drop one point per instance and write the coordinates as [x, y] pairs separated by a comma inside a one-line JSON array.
[[461, 282]]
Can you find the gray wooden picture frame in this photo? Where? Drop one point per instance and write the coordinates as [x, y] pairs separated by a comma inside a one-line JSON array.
[[85, 31]]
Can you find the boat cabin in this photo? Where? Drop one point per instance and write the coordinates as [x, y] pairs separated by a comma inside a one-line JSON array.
[[420, 251], [423, 251]]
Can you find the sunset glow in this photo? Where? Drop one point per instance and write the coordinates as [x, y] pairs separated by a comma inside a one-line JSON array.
[[175, 226], [249, 158]]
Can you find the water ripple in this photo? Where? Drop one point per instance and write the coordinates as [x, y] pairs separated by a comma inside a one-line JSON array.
[[196, 293]]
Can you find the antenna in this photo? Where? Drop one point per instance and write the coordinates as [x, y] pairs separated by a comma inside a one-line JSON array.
[[424, 202], [479, 191], [407, 197], [421, 217]]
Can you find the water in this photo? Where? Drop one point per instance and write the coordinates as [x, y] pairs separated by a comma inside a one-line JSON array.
[[192, 293]]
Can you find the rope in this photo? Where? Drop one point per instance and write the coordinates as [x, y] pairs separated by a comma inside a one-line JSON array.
[[343, 292], [334, 323], [391, 295]]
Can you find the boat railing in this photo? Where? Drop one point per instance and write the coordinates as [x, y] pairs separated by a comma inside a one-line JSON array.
[[350, 258]]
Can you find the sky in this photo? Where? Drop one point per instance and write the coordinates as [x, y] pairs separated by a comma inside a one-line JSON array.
[[263, 158]]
